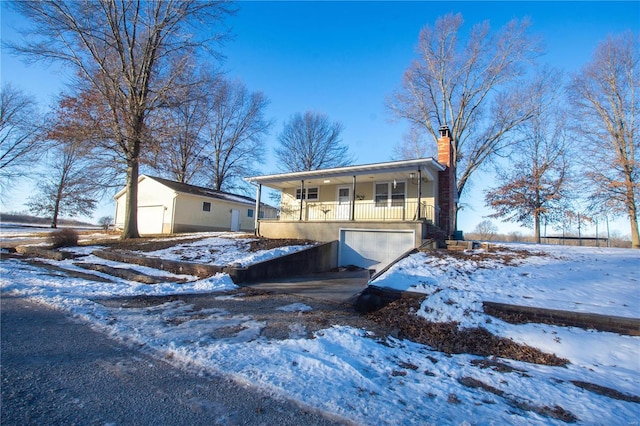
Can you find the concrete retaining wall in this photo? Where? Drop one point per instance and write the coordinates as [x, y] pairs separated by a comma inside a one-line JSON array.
[[32, 251], [319, 258]]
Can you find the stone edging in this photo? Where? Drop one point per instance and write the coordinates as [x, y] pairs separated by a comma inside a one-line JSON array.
[[173, 266], [373, 298], [614, 324]]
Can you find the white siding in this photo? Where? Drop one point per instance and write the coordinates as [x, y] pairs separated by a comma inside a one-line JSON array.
[[150, 219]]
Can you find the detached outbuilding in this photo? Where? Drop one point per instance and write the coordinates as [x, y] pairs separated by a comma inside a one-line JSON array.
[[168, 207]]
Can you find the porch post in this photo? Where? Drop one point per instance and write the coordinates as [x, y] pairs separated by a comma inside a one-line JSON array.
[[353, 200], [419, 191], [301, 197], [257, 212]]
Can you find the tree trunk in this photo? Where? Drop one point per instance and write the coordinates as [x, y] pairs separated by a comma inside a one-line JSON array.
[[633, 221], [632, 210], [536, 226], [56, 207], [54, 219], [131, 211]]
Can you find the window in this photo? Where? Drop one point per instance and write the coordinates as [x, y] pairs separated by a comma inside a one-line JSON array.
[[382, 194], [206, 206], [249, 212], [397, 194], [390, 194], [309, 193], [312, 193]]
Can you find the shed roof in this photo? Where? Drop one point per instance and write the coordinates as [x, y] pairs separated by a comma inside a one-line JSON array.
[[196, 190]]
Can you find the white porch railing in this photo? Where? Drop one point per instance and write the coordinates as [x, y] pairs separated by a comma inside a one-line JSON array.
[[363, 211]]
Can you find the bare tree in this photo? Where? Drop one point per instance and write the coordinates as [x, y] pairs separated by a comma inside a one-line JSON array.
[[310, 141], [414, 146], [73, 180], [604, 95], [536, 185], [20, 134], [234, 133], [181, 151], [106, 222], [486, 230], [472, 89], [129, 53], [65, 188]]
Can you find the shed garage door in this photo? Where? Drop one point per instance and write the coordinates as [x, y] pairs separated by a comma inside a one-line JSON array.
[[373, 249], [150, 219]]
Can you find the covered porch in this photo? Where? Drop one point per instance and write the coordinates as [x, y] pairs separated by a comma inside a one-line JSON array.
[[377, 195]]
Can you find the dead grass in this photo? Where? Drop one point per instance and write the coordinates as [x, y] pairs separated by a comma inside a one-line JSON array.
[[262, 243], [555, 412], [605, 391], [506, 256]]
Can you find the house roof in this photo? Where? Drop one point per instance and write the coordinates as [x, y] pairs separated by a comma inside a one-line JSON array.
[[343, 175], [196, 190]]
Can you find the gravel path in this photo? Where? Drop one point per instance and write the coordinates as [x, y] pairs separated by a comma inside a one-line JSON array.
[[56, 370]]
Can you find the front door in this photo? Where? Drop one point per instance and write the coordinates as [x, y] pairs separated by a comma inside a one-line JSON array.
[[343, 211]]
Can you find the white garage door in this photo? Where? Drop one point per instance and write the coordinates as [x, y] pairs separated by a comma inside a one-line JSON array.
[[373, 249], [150, 219]]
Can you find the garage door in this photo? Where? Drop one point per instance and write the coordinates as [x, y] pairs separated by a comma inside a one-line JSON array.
[[373, 249], [150, 219]]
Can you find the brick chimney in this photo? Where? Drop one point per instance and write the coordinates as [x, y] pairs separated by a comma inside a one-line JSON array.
[[447, 193]]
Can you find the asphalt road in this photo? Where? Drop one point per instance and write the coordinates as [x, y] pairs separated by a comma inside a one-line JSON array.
[[56, 370]]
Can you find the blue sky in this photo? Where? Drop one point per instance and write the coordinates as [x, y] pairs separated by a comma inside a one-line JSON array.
[[345, 58]]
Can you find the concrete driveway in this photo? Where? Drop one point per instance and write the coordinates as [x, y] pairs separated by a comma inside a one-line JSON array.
[[341, 287]]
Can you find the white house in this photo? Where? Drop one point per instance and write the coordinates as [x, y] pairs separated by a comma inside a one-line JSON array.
[[375, 211], [167, 207]]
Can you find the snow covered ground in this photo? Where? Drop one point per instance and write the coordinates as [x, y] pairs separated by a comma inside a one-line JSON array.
[[221, 248], [371, 380]]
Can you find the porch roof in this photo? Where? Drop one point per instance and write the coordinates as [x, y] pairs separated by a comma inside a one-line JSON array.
[[398, 170]]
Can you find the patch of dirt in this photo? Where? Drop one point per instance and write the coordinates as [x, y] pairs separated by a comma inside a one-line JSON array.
[[261, 306], [605, 391], [504, 255], [268, 243], [400, 317], [498, 366], [555, 412]]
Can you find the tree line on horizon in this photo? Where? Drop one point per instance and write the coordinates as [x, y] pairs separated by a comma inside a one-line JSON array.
[[146, 93]]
